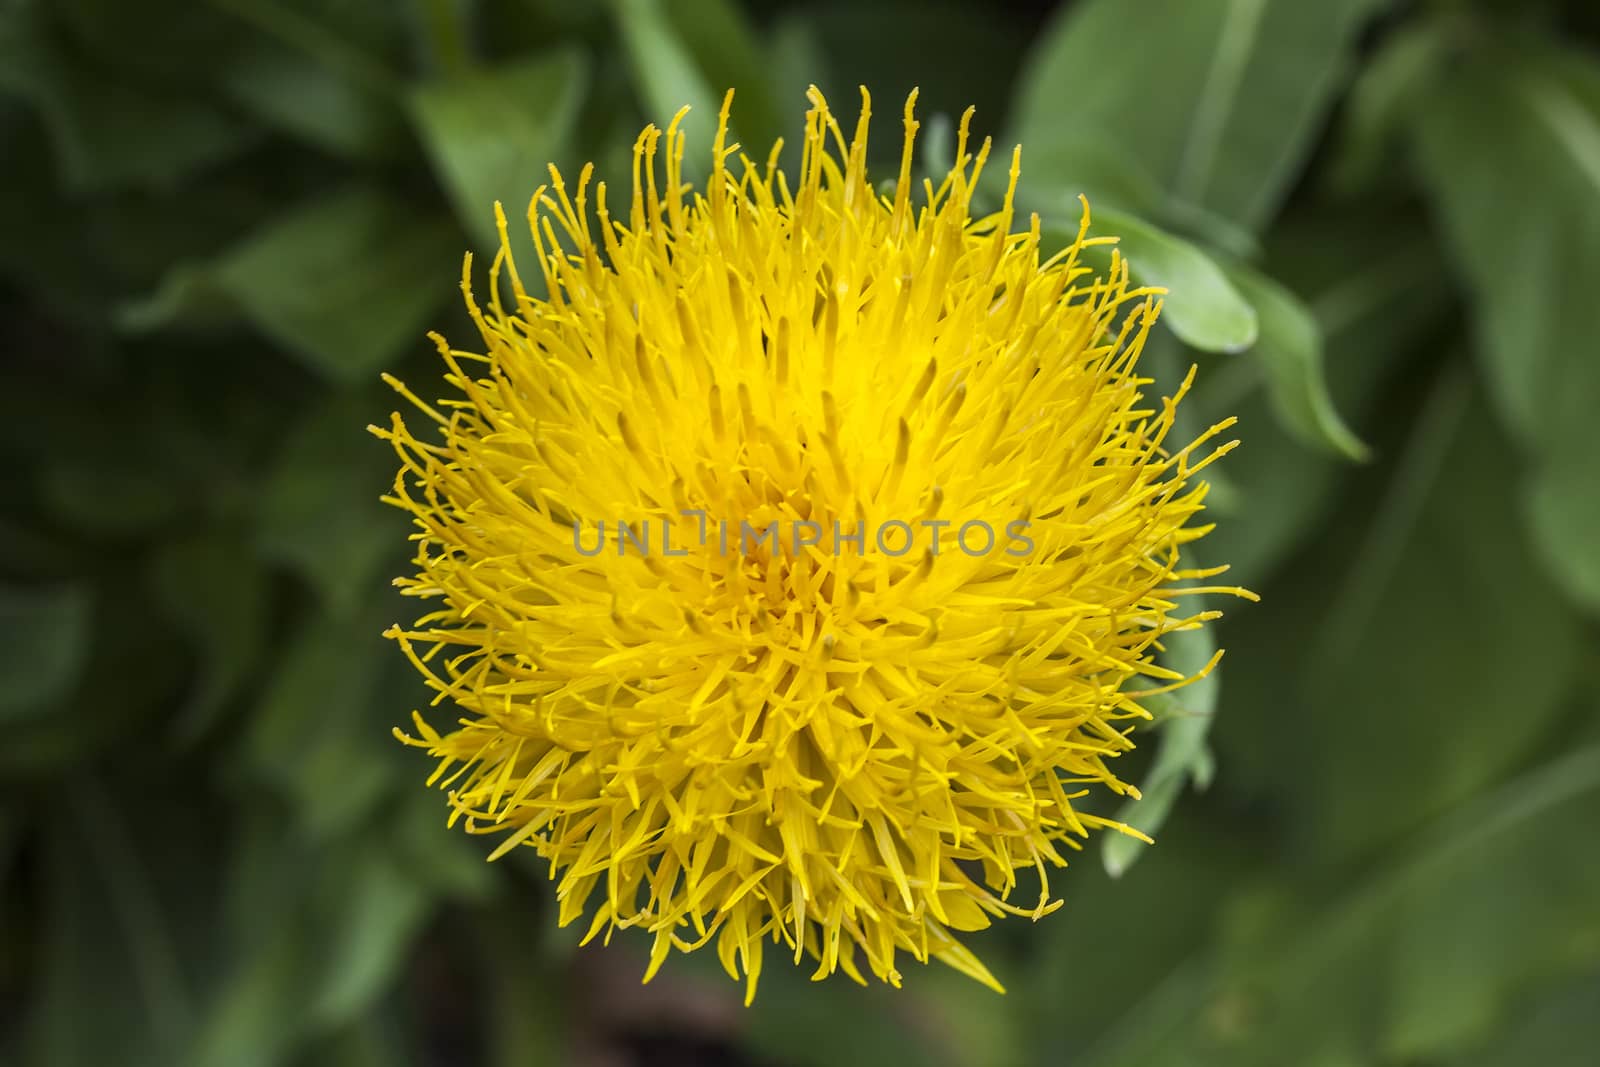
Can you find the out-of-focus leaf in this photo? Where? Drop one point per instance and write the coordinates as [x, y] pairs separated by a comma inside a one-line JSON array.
[[1564, 508], [109, 131], [44, 638], [313, 736], [1383, 97], [127, 909], [1554, 1028], [1374, 286], [130, 673], [894, 46], [1201, 306], [1267, 999], [798, 60], [308, 69], [380, 908], [668, 77], [1219, 98], [1290, 353], [319, 932], [345, 282], [340, 114], [1182, 758], [319, 510], [356, 42], [1533, 282], [492, 135], [690, 52], [833, 1024], [1120, 946], [214, 588], [1426, 597], [371, 1041]]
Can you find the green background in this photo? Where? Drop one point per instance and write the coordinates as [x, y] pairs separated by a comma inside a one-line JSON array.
[[1380, 226]]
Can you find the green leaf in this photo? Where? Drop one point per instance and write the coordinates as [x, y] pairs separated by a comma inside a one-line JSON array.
[[691, 52], [1383, 98], [1362, 976], [122, 682], [1290, 353], [1119, 947], [1533, 283], [319, 511], [213, 587], [1201, 306], [831, 1024], [667, 75], [1533, 280], [1553, 1028], [1374, 284], [44, 642], [319, 933], [1424, 595], [1564, 511], [123, 937], [110, 131], [340, 114], [331, 768], [956, 54], [1220, 99], [492, 136], [346, 282]]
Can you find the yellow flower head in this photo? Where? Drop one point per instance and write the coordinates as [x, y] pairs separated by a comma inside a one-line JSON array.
[[791, 559]]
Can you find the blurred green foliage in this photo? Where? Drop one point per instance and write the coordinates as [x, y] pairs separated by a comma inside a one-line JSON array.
[[222, 218]]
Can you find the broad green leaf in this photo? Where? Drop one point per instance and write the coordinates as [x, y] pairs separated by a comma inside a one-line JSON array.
[[345, 283], [1532, 283], [1532, 272], [1220, 99], [493, 134], [1290, 353], [44, 643], [1201, 305]]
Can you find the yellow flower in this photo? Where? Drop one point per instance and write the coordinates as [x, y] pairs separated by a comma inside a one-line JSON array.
[[704, 535]]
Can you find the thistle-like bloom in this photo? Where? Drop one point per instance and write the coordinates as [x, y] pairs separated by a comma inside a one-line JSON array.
[[800, 559]]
